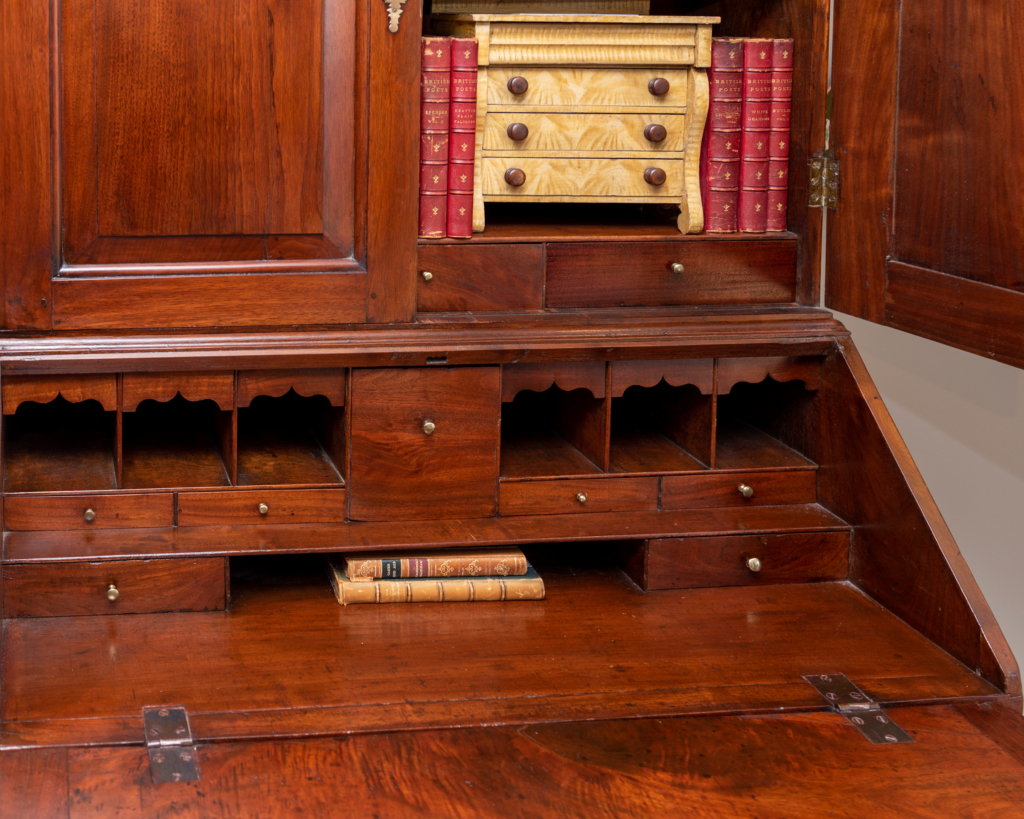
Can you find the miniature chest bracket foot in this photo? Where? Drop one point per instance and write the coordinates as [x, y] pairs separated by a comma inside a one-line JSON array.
[[860, 710], [172, 757]]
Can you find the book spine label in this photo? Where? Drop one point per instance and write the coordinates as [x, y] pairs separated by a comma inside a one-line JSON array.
[[778, 142], [462, 139], [754, 150], [441, 590], [435, 116], [469, 564], [720, 149]]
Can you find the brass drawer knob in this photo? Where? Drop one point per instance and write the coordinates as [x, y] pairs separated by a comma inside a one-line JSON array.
[[427, 275], [264, 508], [746, 491], [678, 269], [655, 133], [429, 427], [518, 85], [658, 86], [581, 497], [754, 564], [112, 593], [90, 515], [515, 177], [517, 131], [655, 176]]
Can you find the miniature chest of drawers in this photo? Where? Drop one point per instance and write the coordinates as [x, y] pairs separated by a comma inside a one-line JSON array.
[[588, 108]]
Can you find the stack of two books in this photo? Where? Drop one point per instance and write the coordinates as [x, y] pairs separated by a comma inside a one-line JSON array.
[[434, 577]]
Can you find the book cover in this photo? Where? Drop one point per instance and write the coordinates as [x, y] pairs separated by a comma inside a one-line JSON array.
[[462, 137], [435, 116], [754, 144], [475, 563], [720, 149], [435, 590], [778, 144]]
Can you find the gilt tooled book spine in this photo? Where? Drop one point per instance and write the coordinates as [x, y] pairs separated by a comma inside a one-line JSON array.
[[462, 138], [757, 114], [478, 563], [720, 149], [778, 145], [435, 114]]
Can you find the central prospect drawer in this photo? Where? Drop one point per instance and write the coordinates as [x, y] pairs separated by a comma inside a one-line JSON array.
[[711, 490], [583, 132], [261, 506], [583, 179], [577, 496], [67, 512], [562, 89], [625, 274], [140, 587]]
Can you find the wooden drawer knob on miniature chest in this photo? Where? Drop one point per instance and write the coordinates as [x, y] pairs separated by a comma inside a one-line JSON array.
[[90, 515], [653, 132], [746, 491], [655, 176], [658, 86], [754, 564], [264, 509], [519, 85], [112, 593], [515, 177], [518, 131]]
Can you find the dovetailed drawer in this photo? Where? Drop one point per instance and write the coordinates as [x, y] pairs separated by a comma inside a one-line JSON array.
[[564, 497], [24, 513], [726, 489], [584, 179], [583, 132], [561, 89], [258, 506], [139, 587]]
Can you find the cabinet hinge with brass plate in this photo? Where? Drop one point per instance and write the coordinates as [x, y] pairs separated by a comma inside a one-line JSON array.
[[172, 757], [824, 182], [860, 710]]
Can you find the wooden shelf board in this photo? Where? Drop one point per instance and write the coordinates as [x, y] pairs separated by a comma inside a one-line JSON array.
[[644, 450], [742, 446], [173, 459], [59, 462], [283, 456], [540, 452]]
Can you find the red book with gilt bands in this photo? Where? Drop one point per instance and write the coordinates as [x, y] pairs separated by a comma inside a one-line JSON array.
[[435, 99], [778, 145], [462, 138], [720, 150], [754, 145]]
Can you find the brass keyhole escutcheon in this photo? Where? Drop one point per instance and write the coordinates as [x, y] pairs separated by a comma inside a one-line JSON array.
[[264, 509], [581, 497], [90, 515], [112, 593], [754, 564], [429, 427], [746, 491]]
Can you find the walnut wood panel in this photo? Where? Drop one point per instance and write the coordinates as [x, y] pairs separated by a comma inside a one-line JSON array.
[[583, 132], [73, 387], [732, 371], [276, 383], [478, 277], [595, 274], [193, 386], [561, 89], [696, 371], [702, 562], [34, 783], [566, 375], [398, 471], [144, 586], [209, 301], [63, 513], [554, 179], [243, 506], [770, 488], [564, 497]]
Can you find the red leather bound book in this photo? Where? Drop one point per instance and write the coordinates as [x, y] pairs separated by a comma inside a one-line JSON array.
[[462, 139], [720, 149], [757, 114], [435, 113], [778, 144]]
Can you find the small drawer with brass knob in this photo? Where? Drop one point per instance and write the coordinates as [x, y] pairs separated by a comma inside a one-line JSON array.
[[584, 495], [68, 512], [261, 507], [769, 488]]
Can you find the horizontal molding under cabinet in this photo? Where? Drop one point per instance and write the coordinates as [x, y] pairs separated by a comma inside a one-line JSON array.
[[259, 506], [585, 132], [704, 491], [554, 179], [576, 496], [68, 512], [115, 587]]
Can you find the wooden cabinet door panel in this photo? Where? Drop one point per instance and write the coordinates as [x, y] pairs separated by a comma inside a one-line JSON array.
[[398, 470]]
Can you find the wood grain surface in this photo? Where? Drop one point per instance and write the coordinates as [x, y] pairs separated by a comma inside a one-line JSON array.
[[703, 490], [242, 506], [562, 497], [583, 132], [73, 387], [696, 371], [480, 277], [192, 386], [67, 512], [276, 383], [567, 376], [587, 89], [554, 179], [732, 371]]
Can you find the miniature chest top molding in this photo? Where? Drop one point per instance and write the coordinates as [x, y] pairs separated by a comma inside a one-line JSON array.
[[588, 108]]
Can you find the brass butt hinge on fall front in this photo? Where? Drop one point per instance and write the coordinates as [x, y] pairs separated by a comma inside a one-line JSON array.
[[172, 757], [860, 710], [824, 182]]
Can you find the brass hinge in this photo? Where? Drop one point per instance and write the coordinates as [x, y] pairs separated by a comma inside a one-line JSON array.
[[824, 182], [172, 757], [860, 710]]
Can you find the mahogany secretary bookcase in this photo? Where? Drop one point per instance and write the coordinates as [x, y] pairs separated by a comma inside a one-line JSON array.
[[222, 359]]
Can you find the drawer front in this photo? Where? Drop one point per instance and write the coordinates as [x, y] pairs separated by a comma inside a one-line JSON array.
[[23, 513], [583, 132], [480, 277], [626, 274], [399, 471], [143, 586], [247, 506], [576, 42], [572, 89], [712, 490], [699, 562], [554, 178], [578, 496]]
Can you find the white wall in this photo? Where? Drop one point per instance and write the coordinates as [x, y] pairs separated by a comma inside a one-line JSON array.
[[962, 417]]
